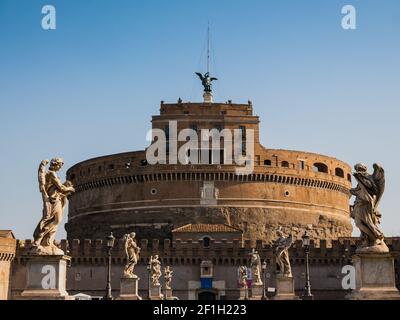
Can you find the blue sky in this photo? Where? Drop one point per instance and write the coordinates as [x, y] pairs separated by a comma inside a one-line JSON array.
[[89, 87]]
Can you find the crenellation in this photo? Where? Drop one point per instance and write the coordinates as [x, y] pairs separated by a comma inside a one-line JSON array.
[[94, 248], [75, 247], [155, 245], [64, 245], [98, 247], [144, 244], [87, 245]]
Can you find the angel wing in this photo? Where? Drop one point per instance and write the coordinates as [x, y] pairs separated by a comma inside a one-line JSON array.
[[42, 175], [200, 76], [287, 243], [379, 178]]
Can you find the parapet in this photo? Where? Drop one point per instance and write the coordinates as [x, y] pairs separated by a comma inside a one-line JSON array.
[[191, 250]]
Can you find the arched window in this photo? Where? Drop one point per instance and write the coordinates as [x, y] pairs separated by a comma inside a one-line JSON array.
[[339, 172], [320, 167], [349, 177], [285, 164], [206, 242], [267, 162]]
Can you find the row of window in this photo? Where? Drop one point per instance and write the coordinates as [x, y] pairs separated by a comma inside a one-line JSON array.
[[212, 159], [317, 167]]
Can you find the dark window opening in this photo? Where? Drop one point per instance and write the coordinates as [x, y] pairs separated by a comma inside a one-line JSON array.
[[320, 167], [339, 172], [243, 129], [166, 130], [206, 242], [285, 164], [267, 162]]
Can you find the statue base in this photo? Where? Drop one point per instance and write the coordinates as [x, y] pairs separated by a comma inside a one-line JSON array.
[[208, 97], [375, 277], [256, 291], [244, 294], [129, 289], [168, 295], [284, 288], [155, 293], [46, 278]]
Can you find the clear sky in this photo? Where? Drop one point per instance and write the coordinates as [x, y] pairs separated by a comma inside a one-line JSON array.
[[89, 87]]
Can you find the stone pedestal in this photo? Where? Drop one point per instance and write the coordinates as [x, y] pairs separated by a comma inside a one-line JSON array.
[[256, 291], [208, 97], [375, 277], [129, 289], [285, 288], [244, 294], [155, 293], [168, 295], [46, 278]]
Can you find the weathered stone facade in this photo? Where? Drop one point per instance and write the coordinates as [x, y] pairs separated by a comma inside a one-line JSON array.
[[292, 189], [7, 254], [87, 273]]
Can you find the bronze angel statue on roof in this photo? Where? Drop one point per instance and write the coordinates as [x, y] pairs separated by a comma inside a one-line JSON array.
[[206, 80], [365, 211]]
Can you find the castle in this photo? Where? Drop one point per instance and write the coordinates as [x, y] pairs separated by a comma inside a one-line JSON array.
[[290, 189], [203, 219]]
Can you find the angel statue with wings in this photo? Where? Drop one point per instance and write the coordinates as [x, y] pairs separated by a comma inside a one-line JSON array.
[[364, 210], [206, 80], [54, 197], [132, 251], [281, 251]]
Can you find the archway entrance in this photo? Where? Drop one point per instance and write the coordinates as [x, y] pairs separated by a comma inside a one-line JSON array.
[[207, 295]]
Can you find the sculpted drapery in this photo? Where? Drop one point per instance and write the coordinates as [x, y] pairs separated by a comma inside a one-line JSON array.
[[54, 198], [364, 211], [281, 250], [132, 251]]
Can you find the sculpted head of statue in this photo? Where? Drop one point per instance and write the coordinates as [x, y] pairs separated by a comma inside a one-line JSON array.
[[360, 167], [56, 164]]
